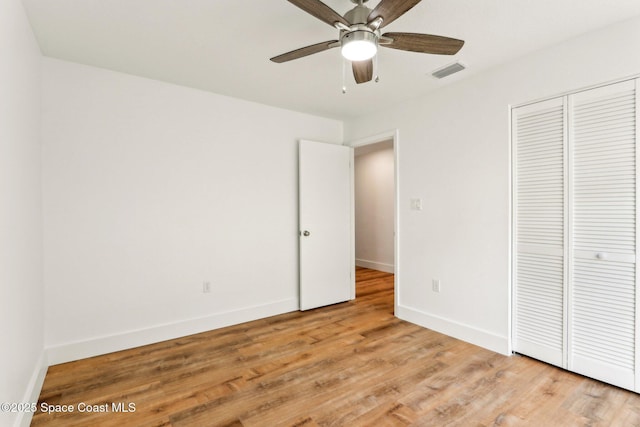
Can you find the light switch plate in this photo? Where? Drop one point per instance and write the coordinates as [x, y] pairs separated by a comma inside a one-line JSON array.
[[415, 204]]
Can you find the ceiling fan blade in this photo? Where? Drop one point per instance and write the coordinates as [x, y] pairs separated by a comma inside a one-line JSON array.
[[362, 70], [305, 51], [424, 43], [390, 10], [320, 11]]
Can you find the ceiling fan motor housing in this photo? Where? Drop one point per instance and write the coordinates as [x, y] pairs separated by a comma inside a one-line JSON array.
[[358, 15]]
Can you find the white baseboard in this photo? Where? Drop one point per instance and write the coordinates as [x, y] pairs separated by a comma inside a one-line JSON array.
[[374, 265], [136, 338], [33, 390], [467, 333]]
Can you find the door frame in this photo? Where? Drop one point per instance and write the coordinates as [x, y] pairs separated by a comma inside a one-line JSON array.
[[393, 135]]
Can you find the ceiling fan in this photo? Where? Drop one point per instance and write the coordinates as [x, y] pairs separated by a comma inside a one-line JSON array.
[[360, 34]]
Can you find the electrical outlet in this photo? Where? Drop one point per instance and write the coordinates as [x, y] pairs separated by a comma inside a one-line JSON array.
[[206, 287], [435, 285], [415, 204]]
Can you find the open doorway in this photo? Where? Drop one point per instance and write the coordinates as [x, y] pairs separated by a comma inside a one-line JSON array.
[[375, 205]]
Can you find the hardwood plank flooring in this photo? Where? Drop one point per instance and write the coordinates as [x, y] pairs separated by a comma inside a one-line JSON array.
[[350, 364]]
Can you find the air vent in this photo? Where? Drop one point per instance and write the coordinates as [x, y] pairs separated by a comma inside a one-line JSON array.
[[448, 70]]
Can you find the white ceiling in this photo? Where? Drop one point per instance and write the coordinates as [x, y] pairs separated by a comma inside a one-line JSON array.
[[224, 46]]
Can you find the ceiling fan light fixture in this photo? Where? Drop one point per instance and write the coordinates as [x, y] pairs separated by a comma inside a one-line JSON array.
[[359, 45]]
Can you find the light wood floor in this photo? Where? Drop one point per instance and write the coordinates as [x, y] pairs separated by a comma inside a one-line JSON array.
[[350, 364]]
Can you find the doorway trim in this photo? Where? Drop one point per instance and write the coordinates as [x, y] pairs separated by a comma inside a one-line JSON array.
[[393, 135]]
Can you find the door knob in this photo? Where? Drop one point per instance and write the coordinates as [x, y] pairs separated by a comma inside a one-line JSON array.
[[306, 233]]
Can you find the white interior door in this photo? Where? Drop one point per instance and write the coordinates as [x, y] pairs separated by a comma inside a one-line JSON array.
[[602, 317], [326, 230], [539, 201]]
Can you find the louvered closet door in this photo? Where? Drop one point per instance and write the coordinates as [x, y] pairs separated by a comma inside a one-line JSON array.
[[602, 295], [539, 200]]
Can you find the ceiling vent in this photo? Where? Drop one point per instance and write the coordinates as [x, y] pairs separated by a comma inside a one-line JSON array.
[[448, 70]]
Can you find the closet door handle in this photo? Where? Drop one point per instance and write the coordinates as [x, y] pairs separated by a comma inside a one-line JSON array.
[[601, 255]]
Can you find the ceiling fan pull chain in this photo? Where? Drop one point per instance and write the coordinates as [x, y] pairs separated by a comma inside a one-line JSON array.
[[375, 68], [344, 76]]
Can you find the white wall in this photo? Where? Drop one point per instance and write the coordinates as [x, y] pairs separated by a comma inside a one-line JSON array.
[[21, 288], [374, 206], [150, 189], [455, 155]]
